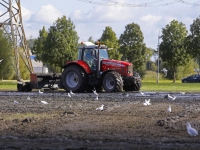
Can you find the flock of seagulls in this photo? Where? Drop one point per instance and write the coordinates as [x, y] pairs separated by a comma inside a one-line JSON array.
[[191, 131]]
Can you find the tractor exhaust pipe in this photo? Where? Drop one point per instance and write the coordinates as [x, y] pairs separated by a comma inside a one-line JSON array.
[[98, 63]]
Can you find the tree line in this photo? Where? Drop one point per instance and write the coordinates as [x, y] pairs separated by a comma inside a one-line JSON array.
[[178, 47]]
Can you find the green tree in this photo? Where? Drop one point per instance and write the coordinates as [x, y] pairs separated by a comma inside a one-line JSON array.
[[38, 47], [133, 48], [110, 40], [172, 48], [193, 40], [61, 43], [6, 53]]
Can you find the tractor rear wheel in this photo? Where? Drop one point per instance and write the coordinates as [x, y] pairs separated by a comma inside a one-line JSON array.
[[74, 78], [112, 82]]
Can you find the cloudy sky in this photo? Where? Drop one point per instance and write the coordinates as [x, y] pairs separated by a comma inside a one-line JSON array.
[[91, 19]]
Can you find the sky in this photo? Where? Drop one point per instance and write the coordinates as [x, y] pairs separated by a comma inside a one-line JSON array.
[[91, 19]]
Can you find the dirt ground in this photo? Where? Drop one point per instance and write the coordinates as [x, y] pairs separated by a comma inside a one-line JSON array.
[[74, 123]]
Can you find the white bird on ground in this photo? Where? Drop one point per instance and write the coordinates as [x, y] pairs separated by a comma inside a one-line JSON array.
[[100, 108], [191, 131], [15, 102], [40, 92], [182, 93], [96, 98], [142, 93], [71, 92], [169, 109], [28, 98], [147, 102], [69, 95], [125, 94], [171, 97], [44, 102], [95, 92]]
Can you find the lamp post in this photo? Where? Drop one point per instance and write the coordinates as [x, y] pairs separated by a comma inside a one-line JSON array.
[[158, 58], [1, 70]]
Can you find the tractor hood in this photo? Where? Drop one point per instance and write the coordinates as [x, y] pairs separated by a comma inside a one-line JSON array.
[[123, 67], [116, 63]]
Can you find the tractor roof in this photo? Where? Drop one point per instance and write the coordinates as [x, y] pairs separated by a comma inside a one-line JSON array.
[[91, 45]]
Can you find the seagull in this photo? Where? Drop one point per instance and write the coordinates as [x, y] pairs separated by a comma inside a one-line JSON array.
[[169, 109], [147, 102], [142, 93], [96, 98], [40, 92], [69, 95], [95, 92], [15, 102], [100, 108], [171, 97], [191, 131], [127, 95], [182, 93], [165, 71], [71, 92], [44, 102], [28, 98]]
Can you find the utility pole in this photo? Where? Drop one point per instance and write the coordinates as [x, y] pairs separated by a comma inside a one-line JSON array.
[[158, 57], [13, 29]]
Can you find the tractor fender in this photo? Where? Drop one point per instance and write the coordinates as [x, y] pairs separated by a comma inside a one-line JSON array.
[[79, 63], [105, 72]]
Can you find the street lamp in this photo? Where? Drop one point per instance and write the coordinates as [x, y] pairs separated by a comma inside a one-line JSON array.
[[1, 70]]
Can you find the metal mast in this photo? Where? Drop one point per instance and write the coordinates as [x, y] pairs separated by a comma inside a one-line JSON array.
[[11, 22]]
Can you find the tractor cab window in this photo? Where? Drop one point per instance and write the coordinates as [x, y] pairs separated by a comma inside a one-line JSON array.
[[89, 57], [103, 54]]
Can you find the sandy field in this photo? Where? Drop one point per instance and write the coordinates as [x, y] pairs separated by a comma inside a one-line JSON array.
[[67, 123]]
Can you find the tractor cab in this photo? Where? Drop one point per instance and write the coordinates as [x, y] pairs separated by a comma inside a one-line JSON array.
[[88, 52]]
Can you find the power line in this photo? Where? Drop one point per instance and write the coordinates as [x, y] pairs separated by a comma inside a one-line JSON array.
[[154, 3]]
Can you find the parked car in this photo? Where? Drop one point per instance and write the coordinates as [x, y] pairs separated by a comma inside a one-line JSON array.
[[191, 79]]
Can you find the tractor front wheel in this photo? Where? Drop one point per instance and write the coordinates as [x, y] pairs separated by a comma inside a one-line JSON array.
[[74, 79], [112, 82]]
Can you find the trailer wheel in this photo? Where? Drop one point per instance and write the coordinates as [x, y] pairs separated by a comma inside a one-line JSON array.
[[24, 87], [75, 79], [112, 82]]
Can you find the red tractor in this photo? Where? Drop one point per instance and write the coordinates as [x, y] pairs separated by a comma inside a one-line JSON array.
[[93, 69]]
